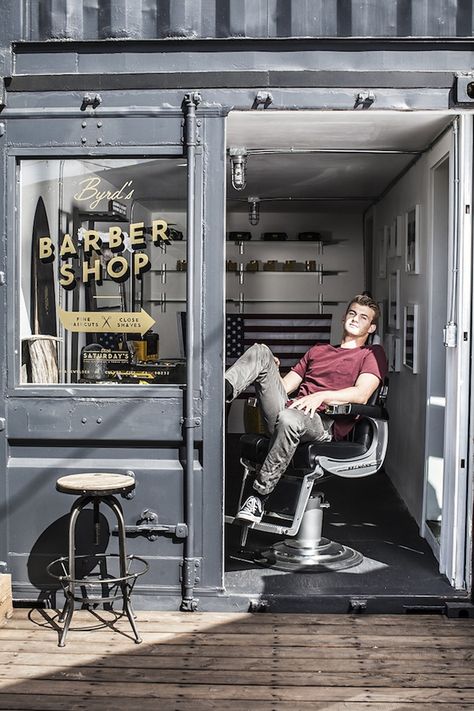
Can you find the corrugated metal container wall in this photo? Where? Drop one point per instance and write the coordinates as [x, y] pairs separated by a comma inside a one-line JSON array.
[[159, 19]]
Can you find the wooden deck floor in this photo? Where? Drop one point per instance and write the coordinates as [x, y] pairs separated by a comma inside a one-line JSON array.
[[238, 662]]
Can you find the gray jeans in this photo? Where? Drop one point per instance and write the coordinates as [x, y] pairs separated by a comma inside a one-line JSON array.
[[287, 427]]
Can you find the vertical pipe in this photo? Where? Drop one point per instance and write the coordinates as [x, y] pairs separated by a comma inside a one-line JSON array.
[[189, 569]]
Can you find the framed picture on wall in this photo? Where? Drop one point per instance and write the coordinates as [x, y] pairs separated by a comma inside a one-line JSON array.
[[388, 229], [400, 239], [392, 242], [382, 253], [412, 240], [382, 318], [394, 299], [393, 351], [410, 337]]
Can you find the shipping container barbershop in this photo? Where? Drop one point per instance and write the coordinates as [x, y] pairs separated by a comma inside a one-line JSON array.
[[180, 181]]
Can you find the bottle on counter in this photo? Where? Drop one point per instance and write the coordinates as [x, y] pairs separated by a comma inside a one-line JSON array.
[[152, 341]]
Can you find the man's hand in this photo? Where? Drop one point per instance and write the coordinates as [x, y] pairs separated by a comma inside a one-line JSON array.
[[308, 403]]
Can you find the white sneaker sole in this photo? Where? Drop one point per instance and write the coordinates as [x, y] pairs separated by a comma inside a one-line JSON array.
[[248, 517]]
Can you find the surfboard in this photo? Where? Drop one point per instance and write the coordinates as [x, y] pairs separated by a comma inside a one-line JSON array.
[[43, 297]]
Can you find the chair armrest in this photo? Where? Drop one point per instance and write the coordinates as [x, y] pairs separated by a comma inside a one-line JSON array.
[[351, 408]]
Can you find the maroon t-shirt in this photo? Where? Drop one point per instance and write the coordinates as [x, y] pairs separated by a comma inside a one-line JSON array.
[[326, 367]]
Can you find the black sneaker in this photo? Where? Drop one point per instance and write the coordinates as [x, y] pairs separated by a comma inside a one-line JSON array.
[[251, 511]]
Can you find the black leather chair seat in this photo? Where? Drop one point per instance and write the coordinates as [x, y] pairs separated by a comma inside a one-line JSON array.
[[305, 455], [254, 447]]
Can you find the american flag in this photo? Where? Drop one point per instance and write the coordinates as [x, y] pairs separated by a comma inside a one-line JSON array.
[[288, 335]]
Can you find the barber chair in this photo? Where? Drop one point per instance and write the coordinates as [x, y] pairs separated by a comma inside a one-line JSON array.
[[295, 508]]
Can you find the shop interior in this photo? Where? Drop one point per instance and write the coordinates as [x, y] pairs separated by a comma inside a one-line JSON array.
[[322, 206], [96, 239]]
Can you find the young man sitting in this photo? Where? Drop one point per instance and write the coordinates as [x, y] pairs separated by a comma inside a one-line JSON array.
[[326, 375]]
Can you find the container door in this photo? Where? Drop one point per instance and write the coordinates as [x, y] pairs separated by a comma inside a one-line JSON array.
[[110, 316], [447, 487]]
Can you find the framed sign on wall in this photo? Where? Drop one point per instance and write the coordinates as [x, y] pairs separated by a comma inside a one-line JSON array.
[[410, 337], [412, 241]]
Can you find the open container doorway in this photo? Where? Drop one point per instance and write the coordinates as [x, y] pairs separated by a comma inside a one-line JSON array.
[[322, 206]]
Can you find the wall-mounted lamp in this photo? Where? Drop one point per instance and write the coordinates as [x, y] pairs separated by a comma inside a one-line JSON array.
[[254, 210], [238, 161]]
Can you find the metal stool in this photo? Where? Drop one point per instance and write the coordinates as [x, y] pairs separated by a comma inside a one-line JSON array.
[[96, 488]]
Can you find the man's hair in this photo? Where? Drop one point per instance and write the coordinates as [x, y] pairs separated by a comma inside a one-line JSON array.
[[365, 300]]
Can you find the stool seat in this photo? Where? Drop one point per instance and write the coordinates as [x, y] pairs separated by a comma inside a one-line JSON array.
[[95, 484]]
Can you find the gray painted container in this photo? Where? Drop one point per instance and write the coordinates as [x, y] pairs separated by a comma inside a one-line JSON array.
[[160, 19], [239, 47]]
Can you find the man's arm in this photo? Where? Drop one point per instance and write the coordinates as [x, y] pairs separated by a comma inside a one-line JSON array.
[[292, 381], [365, 385]]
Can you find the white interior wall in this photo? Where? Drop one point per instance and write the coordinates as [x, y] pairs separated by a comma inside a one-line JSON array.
[[167, 323], [405, 462]]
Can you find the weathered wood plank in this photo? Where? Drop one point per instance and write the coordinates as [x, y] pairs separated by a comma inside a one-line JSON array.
[[45, 702], [188, 624], [6, 605], [81, 645], [134, 690], [244, 640], [191, 660], [276, 678]]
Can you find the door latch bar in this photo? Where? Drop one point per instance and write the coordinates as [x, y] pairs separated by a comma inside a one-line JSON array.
[[150, 527]]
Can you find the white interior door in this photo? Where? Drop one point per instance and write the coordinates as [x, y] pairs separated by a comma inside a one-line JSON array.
[[454, 539]]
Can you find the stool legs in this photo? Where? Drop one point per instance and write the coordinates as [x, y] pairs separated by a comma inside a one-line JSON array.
[[70, 589], [68, 609], [127, 606]]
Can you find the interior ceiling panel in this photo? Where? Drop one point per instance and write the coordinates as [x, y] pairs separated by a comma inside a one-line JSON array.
[[373, 130], [320, 175], [361, 153]]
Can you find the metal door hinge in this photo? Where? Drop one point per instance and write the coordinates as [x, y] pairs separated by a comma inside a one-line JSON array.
[[357, 604], [259, 605], [189, 422], [192, 134], [189, 571], [450, 335], [2, 278], [262, 98], [92, 100], [2, 424], [365, 99]]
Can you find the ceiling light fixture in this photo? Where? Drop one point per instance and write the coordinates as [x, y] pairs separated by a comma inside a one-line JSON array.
[[238, 161], [254, 210]]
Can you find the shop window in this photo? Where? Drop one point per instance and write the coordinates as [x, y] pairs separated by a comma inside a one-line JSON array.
[[102, 271]]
